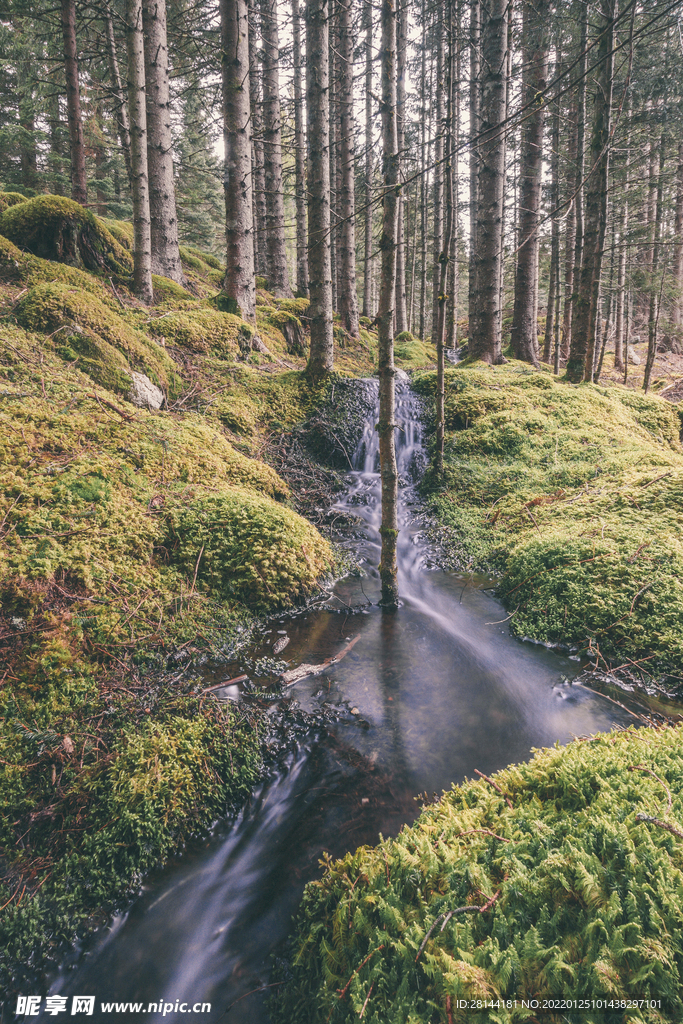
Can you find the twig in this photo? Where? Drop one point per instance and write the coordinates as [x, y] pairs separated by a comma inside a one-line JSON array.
[[367, 1000], [219, 686], [262, 988], [295, 674], [110, 405], [510, 616], [495, 786], [531, 517], [196, 568], [661, 824], [485, 830], [449, 1010], [116, 293], [469, 909], [342, 992], [657, 479], [642, 768]]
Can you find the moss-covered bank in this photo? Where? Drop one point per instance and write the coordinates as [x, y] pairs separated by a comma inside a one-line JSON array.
[[581, 897], [575, 495]]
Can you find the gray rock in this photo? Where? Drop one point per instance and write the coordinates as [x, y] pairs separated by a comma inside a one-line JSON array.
[[633, 357], [143, 393], [402, 377]]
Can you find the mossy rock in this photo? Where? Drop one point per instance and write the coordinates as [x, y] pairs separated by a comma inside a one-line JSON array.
[[289, 325], [11, 260], [206, 257], [57, 228], [123, 232], [254, 550], [51, 307], [199, 329], [168, 291], [403, 337], [298, 307], [100, 361], [412, 353], [10, 199]]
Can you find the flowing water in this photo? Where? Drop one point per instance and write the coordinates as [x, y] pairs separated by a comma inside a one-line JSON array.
[[426, 695]]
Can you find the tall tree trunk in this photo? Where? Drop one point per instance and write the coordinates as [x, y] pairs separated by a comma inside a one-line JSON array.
[[653, 316], [120, 108], [367, 195], [451, 338], [334, 132], [321, 359], [585, 314], [162, 206], [534, 81], [569, 236], [79, 188], [438, 168], [278, 278], [239, 284], [299, 159], [348, 299], [401, 322], [485, 338], [475, 126], [554, 281], [445, 252], [386, 426], [424, 178], [142, 272], [258, 187], [677, 313]]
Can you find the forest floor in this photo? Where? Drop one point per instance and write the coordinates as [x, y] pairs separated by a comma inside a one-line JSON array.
[[135, 544]]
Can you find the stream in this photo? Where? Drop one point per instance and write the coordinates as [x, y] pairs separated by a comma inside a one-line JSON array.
[[426, 695]]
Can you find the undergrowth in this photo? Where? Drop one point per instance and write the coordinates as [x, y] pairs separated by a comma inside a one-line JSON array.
[[581, 898], [574, 495]]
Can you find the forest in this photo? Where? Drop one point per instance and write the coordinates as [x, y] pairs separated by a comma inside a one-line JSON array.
[[341, 504]]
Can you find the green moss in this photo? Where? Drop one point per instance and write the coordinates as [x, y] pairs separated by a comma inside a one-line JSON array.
[[57, 308], [588, 904], [298, 307], [123, 232], [247, 547], [199, 329], [556, 487], [10, 199], [412, 354], [168, 291], [57, 228]]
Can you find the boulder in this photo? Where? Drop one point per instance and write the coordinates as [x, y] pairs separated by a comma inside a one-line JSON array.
[[143, 393], [633, 357]]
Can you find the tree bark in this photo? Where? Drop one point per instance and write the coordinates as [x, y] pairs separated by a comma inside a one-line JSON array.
[[677, 314], [585, 314], [321, 358], [444, 257], [485, 338], [475, 125], [534, 80], [348, 299], [142, 261], [239, 284], [79, 188], [162, 205], [387, 294], [554, 282], [278, 278], [569, 238], [401, 319], [653, 317], [299, 159], [258, 187], [334, 126], [367, 255], [121, 111], [438, 168]]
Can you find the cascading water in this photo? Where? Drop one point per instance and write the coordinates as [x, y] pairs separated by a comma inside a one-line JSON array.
[[429, 693]]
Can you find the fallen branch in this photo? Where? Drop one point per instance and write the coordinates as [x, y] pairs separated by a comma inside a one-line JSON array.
[[657, 479], [642, 768], [495, 786], [293, 675], [110, 405], [661, 824], [445, 917], [342, 991], [226, 682]]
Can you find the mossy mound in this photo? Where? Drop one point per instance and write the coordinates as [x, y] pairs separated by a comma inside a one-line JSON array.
[[582, 900], [59, 229], [245, 547], [167, 291], [123, 232], [71, 313], [199, 329], [287, 323], [10, 199], [574, 493], [412, 354]]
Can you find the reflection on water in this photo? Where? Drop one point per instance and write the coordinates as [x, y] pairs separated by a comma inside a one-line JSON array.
[[434, 690]]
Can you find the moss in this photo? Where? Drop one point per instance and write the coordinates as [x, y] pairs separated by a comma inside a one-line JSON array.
[[298, 307], [199, 329], [413, 354], [168, 291], [403, 337], [587, 899], [56, 308], [57, 228], [557, 487], [8, 199], [123, 232], [206, 257], [246, 547]]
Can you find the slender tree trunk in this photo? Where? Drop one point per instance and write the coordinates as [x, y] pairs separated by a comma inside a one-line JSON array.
[[121, 111], [451, 339], [610, 304], [585, 315], [534, 81], [653, 317], [554, 280], [485, 338], [321, 359], [142, 273], [475, 126], [677, 314], [444, 255], [401, 323], [278, 278], [367, 267], [438, 169], [258, 187], [299, 159], [621, 289], [386, 426], [578, 178], [334, 132], [100, 174], [79, 189], [239, 284], [348, 299], [569, 236], [162, 207]]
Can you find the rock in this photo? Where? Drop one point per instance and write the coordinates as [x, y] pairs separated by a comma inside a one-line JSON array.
[[143, 393], [633, 357], [280, 644], [401, 377]]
